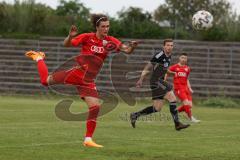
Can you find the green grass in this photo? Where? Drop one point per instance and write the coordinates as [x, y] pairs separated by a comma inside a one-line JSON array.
[[29, 130]]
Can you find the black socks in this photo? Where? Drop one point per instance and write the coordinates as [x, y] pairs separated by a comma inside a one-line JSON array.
[[174, 112], [146, 111]]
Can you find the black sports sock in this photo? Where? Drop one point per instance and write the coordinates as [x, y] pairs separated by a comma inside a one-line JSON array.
[[146, 111], [174, 112]]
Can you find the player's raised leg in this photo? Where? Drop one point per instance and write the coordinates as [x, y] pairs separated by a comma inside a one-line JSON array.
[[42, 67]]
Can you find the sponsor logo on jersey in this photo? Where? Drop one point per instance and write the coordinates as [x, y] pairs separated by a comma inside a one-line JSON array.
[[182, 74], [97, 49]]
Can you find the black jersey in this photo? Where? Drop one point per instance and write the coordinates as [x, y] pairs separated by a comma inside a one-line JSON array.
[[160, 63]]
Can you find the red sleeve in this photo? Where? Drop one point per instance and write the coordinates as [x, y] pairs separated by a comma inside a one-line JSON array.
[[79, 39], [172, 68], [117, 42]]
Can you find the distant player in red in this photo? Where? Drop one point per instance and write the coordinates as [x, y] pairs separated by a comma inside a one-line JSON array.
[[182, 86], [95, 47]]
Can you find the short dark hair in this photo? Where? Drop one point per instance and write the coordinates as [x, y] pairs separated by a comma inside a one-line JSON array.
[[184, 54], [167, 40], [97, 18]]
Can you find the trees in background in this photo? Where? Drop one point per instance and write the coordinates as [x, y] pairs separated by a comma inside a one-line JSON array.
[[135, 23], [172, 19], [179, 15]]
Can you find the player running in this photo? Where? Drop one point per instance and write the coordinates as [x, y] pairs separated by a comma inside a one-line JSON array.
[[95, 47], [160, 89], [182, 86]]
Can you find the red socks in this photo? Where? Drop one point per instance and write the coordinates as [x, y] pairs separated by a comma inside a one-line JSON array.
[[92, 120], [181, 108], [186, 109], [43, 72]]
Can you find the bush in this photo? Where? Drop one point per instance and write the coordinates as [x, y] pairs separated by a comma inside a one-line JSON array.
[[220, 102]]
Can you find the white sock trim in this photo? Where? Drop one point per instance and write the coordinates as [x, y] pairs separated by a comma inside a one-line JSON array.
[[88, 139], [39, 58]]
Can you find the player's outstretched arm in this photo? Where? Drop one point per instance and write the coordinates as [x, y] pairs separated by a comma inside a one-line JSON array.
[[169, 72], [145, 72], [72, 33], [128, 49]]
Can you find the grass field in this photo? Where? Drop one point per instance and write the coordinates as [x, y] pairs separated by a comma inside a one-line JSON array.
[[29, 130]]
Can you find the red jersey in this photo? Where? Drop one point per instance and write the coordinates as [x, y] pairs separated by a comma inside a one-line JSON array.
[[94, 46], [181, 76], [94, 51]]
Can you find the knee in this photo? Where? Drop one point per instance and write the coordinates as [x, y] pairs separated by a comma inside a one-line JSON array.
[[47, 81], [187, 103], [190, 104], [44, 82], [157, 107], [172, 98]]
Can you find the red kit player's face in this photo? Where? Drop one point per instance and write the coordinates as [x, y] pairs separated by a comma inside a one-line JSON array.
[[103, 28], [183, 60], [168, 47]]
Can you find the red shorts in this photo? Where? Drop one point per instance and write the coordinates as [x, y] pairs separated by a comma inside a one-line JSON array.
[[183, 94], [76, 77]]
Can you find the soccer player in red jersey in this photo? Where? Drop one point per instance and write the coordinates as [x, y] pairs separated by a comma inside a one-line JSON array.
[[182, 86], [95, 47]]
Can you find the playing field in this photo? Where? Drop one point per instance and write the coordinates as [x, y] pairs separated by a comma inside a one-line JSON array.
[[29, 129]]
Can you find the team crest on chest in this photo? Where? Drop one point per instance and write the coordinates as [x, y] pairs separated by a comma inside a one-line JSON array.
[[166, 64], [104, 42]]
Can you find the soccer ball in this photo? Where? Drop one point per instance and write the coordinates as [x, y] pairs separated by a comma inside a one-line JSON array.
[[202, 20]]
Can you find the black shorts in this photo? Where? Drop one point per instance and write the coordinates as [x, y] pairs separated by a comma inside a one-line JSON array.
[[160, 89]]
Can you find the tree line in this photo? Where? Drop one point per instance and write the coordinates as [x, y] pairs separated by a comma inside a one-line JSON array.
[[28, 19]]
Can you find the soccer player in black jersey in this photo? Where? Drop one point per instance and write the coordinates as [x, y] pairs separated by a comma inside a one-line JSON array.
[[161, 89]]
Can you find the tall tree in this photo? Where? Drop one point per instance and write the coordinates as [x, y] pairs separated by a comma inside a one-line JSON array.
[[76, 13], [137, 24]]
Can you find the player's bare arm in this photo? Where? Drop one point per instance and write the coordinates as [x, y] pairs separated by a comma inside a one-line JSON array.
[[128, 49], [72, 33], [165, 77], [145, 72], [168, 73], [189, 86]]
